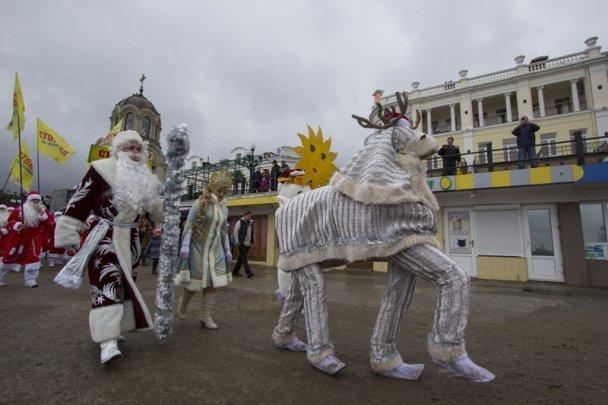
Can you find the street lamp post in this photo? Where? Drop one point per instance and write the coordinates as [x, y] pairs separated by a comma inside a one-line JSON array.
[[251, 162]]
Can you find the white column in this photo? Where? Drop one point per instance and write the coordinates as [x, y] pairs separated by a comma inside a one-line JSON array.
[[508, 106], [480, 112], [429, 123], [575, 101], [453, 116], [541, 101]]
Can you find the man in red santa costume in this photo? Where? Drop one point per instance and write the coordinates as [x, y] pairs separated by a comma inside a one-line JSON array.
[[25, 240], [54, 256], [4, 214], [118, 191]]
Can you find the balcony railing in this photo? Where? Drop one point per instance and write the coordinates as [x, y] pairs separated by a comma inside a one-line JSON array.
[[576, 151]]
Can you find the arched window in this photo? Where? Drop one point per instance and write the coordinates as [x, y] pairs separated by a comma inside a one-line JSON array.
[[146, 127], [129, 121]]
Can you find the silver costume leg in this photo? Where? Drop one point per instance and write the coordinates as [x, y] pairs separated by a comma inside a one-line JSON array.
[[446, 340], [290, 311], [400, 287], [312, 287]]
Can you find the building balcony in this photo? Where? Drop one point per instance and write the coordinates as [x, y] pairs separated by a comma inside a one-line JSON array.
[[578, 151]]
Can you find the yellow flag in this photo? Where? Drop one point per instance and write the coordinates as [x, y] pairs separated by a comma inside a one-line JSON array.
[[26, 164], [117, 128], [53, 145], [17, 123]]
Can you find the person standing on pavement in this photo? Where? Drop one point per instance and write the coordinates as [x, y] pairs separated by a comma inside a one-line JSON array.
[[526, 142], [450, 154], [243, 238]]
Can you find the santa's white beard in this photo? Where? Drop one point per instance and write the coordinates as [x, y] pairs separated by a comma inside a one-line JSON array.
[[136, 186], [31, 216], [4, 218]]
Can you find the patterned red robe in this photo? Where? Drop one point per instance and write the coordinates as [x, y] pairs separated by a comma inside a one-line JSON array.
[[117, 304]]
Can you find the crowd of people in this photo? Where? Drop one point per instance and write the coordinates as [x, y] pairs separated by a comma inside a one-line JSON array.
[[264, 180]]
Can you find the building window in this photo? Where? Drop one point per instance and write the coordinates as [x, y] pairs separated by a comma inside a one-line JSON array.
[[548, 147], [485, 118], [481, 158], [194, 165], [146, 127], [129, 122], [510, 152], [562, 105], [583, 132], [238, 156], [594, 218], [501, 116]]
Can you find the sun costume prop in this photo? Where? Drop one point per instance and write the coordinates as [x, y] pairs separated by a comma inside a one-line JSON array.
[[378, 206]]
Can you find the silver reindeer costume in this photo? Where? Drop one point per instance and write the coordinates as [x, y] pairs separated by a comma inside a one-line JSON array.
[[377, 207]]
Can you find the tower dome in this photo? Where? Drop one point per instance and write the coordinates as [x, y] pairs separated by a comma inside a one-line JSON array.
[[138, 113]]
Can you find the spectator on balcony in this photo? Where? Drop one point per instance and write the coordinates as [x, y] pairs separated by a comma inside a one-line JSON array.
[[450, 154], [256, 179], [526, 142], [265, 182], [275, 173], [284, 169]]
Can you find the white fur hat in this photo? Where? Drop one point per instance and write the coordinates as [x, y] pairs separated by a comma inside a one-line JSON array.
[[2, 207], [57, 214], [123, 137]]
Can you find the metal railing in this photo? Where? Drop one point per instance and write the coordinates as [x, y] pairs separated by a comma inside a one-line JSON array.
[[575, 151]]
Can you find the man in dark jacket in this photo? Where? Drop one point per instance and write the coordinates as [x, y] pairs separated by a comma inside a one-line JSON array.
[[256, 179], [451, 155], [275, 172], [284, 169], [526, 140], [243, 238]]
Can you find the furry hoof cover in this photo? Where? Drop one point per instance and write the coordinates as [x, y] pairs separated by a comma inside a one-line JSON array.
[[329, 365], [294, 345], [405, 371], [463, 367]]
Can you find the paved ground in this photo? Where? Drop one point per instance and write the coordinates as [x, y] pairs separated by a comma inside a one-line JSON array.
[[544, 348]]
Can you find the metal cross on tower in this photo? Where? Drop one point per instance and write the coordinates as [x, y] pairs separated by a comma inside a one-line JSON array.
[[141, 87]]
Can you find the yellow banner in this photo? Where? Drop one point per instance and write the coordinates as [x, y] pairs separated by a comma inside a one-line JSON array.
[[17, 123], [26, 164], [52, 144], [98, 152]]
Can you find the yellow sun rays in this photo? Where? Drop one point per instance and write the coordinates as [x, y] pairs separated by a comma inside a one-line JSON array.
[[316, 159]]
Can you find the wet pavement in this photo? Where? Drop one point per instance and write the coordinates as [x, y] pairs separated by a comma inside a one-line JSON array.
[[546, 345]]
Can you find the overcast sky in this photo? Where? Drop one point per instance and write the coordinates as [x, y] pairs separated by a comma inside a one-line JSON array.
[[256, 71]]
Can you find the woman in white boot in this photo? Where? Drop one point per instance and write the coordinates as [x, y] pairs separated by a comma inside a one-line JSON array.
[[205, 249]]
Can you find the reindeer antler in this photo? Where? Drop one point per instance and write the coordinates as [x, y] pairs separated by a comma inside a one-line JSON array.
[[388, 117]]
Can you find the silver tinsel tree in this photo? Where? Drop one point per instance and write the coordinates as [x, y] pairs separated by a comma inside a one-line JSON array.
[[179, 146]]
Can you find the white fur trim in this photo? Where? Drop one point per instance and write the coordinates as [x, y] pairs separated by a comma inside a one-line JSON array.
[[123, 137], [372, 194], [14, 267], [322, 355], [67, 231], [445, 351], [121, 239], [4, 231], [33, 196], [57, 214], [106, 168], [104, 322], [127, 324], [353, 253], [417, 170], [16, 226], [387, 365], [68, 281], [44, 217], [2, 207]]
